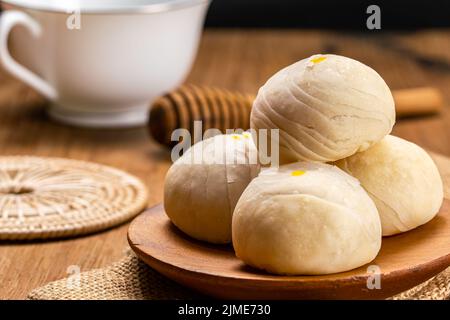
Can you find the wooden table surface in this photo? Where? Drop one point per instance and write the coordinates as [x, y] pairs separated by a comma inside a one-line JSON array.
[[234, 59]]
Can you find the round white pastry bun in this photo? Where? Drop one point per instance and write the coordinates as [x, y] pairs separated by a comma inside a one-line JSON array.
[[402, 180], [327, 107], [306, 219], [203, 186]]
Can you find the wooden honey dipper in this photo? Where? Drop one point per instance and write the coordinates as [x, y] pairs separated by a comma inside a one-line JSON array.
[[216, 108], [222, 109]]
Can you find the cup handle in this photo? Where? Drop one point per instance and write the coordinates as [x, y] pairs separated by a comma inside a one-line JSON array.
[[8, 20]]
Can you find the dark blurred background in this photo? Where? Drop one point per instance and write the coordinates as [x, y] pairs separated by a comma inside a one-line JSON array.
[[346, 14], [331, 14]]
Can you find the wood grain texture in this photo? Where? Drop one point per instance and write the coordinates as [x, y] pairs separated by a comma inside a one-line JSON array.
[[237, 60]]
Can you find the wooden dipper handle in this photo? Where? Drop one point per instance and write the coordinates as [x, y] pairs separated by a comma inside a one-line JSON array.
[[417, 101], [222, 109]]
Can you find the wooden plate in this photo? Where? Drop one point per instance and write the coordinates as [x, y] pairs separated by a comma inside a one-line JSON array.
[[404, 261]]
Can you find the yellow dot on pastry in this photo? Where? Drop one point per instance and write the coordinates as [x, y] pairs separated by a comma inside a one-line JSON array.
[[297, 173], [246, 135], [318, 59], [235, 137]]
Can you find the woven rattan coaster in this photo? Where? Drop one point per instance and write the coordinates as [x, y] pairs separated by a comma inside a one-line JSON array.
[[42, 198]]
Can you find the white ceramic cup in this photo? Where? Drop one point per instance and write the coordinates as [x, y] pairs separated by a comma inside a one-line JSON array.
[[101, 62]]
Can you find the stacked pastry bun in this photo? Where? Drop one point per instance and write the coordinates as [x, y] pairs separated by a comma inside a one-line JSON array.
[[203, 186], [344, 181]]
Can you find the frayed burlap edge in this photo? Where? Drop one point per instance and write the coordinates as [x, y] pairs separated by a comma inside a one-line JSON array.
[[127, 279], [131, 279], [437, 288]]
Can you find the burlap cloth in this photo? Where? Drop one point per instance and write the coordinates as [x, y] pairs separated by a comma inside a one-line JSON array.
[[131, 279]]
